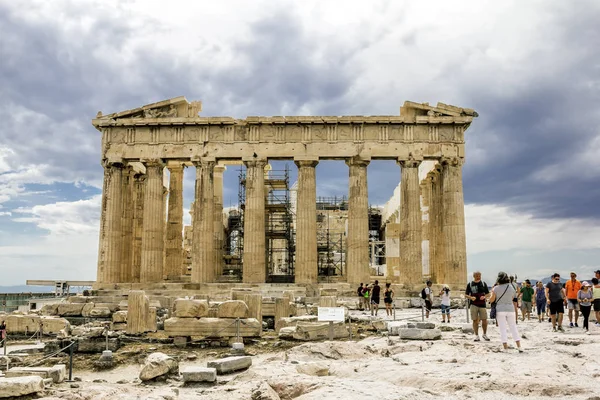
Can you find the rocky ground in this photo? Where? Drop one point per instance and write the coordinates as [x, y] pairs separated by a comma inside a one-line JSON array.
[[558, 365]]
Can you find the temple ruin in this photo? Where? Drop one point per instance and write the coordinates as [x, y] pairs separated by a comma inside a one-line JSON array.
[[141, 231]]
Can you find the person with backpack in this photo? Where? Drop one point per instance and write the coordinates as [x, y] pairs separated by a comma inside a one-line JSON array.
[[426, 295], [366, 294], [359, 292], [445, 294], [477, 291]]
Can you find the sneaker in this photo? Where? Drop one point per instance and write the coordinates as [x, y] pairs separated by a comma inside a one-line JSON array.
[[549, 319], [553, 329], [487, 339], [520, 350], [477, 339], [576, 326], [571, 325], [560, 328]]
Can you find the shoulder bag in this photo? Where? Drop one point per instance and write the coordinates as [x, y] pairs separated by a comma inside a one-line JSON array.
[[493, 305]]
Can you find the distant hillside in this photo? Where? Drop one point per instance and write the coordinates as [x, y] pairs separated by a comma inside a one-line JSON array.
[[26, 289]]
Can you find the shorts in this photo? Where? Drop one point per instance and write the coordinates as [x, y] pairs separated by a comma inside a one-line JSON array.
[[478, 313], [445, 309], [374, 300], [387, 301], [557, 307], [572, 304], [597, 305], [427, 305], [541, 306], [526, 306]]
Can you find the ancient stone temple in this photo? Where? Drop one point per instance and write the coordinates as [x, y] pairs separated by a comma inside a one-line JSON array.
[[141, 227]]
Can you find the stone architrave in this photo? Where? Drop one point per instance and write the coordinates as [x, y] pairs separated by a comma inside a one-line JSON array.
[[411, 257], [139, 190], [109, 257], [306, 223], [254, 259], [218, 213], [357, 261], [454, 223], [203, 270], [127, 226], [153, 231], [174, 241], [138, 312]]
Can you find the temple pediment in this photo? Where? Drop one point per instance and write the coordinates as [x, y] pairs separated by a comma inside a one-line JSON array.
[[413, 109], [177, 107]]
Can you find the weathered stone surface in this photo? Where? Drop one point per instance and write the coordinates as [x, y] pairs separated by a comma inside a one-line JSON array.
[[87, 308], [70, 309], [30, 323], [97, 345], [54, 324], [100, 312], [394, 326], [287, 332], [119, 317], [184, 308], [119, 326], [211, 327], [230, 364], [313, 369], [292, 321], [198, 374], [425, 325], [49, 309], [232, 309], [57, 373], [20, 386], [138, 312], [328, 301], [467, 328], [319, 330], [88, 332], [265, 392], [419, 334], [158, 364]]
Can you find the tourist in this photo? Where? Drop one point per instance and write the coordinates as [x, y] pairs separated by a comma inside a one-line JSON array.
[[503, 295], [526, 297], [366, 294], [2, 331], [476, 292], [572, 287], [596, 296], [388, 299], [445, 294], [540, 300], [375, 292], [515, 300], [359, 292], [584, 298], [427, 294], [555, 297], [597, 274]]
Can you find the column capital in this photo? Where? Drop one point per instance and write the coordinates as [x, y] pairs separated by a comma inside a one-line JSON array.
[[206, 162], [410, 163], [305, 163], [175, 165], [452, 161], [219, 169], [358, 161], [254, 162], [109, 163], [153, 162]]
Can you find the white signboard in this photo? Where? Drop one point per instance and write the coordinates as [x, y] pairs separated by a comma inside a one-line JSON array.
[[333, 314]]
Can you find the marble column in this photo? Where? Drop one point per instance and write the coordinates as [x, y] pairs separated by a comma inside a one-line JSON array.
[[306, 222], [174, 240], [436, 249], [139, 190], [203, 247], [127, 226], [109, 257], [153, 231], [357, 259], [254, 258], [454, 223], [219, 228], [411, 255]]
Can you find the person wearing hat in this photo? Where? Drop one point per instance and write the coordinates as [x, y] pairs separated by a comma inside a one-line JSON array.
[[585, 297], [597, 274], [572, 287]]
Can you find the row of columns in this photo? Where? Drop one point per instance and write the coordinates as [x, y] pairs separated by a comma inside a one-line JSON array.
[[136, 246]]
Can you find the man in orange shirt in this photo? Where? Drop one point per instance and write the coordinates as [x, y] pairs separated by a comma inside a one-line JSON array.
[[572, 287]]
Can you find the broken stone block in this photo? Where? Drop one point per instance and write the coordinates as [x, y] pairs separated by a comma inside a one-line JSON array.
[[394, 326], [184, 308], [313, 369], [138, 312], [57, 373], [230, 364], [70, 309], [328, 301], [119, 316], [419, 334], [425, 325], [119, 326], [20, 386], [158, 364], [100, 312], [287, 332], [198, 374], [54, 324], [211, 327], [265, 392], [97, 345], [292, 321], [319, 330], [87, 308], [49, 309], [467, 328], [232, 309], [28, 324]]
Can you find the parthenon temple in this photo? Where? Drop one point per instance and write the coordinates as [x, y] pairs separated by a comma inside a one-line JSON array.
[[141, 232]]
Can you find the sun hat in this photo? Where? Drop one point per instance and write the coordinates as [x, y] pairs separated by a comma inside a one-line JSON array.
[[585, 283]]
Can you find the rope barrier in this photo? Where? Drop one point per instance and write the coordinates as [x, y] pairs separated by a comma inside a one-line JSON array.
[[51, 355]]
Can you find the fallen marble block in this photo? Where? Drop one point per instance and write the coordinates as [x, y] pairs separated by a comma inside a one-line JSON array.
[[230, 364], [419, 334], [198, 374], [20, 386]]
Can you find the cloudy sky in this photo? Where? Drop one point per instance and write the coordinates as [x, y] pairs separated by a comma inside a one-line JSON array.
[[531, 69]]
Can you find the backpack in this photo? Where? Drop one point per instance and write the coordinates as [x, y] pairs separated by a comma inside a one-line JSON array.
[[423, 294]]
